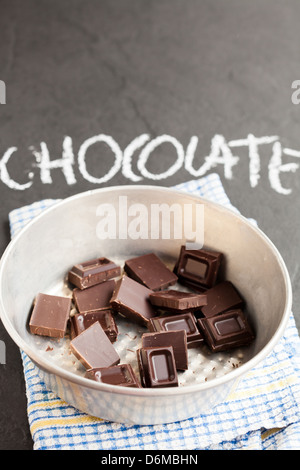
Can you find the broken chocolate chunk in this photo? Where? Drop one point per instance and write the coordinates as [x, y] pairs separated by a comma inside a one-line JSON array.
[[93, 272], [198, 268], [175, 300], [177, 339], [150, 271], [157, 367], [121, 374], [226, 331], [94, 298], [183, 321], [131, 299], [93, 348], [50, 315], [222, 297]]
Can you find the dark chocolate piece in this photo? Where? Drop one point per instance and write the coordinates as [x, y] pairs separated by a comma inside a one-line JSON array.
[[131, 299], [198, 268], [176, 339], [226, 331], [182, 321], [150, 271], [94, 298], [121, 374], [220, 298], [93, 348], [177, 301], [93, 272], [50, 315], [157, 367], [82, 321]]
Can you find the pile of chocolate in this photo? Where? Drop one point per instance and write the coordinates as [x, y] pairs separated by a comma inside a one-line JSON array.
[[212, 314]]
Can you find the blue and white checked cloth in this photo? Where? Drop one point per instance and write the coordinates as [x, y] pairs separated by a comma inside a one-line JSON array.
[[262, 413]]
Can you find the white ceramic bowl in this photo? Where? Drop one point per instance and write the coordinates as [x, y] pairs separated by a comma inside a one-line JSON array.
[[38, 258]]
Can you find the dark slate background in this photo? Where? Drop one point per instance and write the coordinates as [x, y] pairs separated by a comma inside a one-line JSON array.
[[185, 68]]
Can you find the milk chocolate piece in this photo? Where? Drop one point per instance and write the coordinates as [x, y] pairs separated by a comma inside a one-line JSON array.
[[183, 321], [50, 315], [176, 339], [157, 367], [121, 374], [198, 268], [82, 321], [131, 299], [177, 301], [93, 348], [150, 271], [226, 331], [94, 298], [93, 272], [222, 297]]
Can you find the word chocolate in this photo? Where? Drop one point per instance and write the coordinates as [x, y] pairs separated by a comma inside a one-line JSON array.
[[223, 151]]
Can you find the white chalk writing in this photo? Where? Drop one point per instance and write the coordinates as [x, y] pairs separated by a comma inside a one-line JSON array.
[[223, 154]]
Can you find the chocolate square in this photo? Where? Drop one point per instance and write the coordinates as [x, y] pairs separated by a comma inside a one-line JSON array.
[[198, 268], [50, 315], [150, 271], [157, 367], [131, 299], [177, 301], [94, 298], [90, 273], [223, 296], [177, 339], [226, 331], [93, 348], [183, 321]]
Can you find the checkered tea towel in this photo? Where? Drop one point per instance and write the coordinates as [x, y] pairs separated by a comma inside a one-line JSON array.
[[263, 412]]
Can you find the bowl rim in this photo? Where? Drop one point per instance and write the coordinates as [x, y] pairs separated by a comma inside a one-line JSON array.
[[234, 374]]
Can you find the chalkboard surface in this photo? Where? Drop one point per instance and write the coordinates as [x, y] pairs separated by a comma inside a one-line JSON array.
[[96, 93]]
